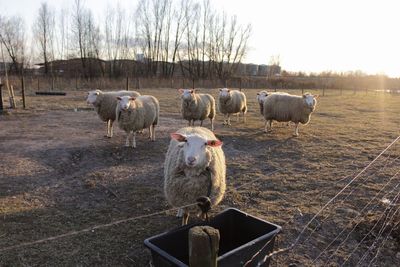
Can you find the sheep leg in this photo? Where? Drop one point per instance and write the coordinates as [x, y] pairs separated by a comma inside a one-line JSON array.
[[185, 218], [134, 140], [237, 117], [296, 130], [201, 123], [224, 123], [229, 119], [127, 139], [212, 125], [153, 132], [109, 129]]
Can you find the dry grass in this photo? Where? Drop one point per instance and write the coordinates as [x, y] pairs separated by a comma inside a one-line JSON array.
[[59, 174]]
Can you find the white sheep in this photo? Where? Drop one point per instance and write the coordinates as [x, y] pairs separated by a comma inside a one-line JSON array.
[[137, 113], [194, 167], [232, 102], [286, 108], [105, 104], [197, 106]]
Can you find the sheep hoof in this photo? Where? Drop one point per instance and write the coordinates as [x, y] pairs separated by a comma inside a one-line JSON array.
[[107, 136], [295, 135]]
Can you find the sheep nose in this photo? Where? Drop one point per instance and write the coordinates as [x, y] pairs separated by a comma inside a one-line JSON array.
[[191, 160]]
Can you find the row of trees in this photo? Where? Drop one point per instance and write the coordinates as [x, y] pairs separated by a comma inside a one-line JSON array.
[[167, 34]]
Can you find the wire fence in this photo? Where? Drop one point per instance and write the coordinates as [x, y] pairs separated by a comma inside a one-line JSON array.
[[388, 209]]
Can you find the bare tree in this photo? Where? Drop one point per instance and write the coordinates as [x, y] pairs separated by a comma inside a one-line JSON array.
[[43, 30], [12, 35]]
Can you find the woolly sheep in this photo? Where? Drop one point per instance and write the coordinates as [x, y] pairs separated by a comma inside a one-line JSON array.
[[285, 107], [232, 102], [105, 104], [197, 106], [261, 98], [194, 167], [137, 113]]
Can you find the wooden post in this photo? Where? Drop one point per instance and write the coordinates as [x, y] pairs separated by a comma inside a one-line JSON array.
[[23, 91], [127, 83], [240, 84], [225, 83], [1, 97], [302, 91], [12, 97], [52, 83], [323, 91], [38, 84], [138, 83], [192, 83], [76, 81], [183, 83], [203, 246]]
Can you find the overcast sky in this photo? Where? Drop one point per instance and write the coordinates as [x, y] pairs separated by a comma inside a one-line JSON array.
[[309, 35]]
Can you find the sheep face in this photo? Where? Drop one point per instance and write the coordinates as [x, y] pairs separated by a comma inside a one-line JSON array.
[[261, 97], [187, 94], [225, 93], [125, 102], [92, 97], [196, 148], [310, 100]]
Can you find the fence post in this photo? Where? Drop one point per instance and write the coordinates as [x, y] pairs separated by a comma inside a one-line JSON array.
[[203, 246], [38, 84], [12, 97], [183, 83], [138, 83], [323, 91], [23, 91], [1, 97], [52, 82], [240, 84], [76, 81], [127, 83], [192, 83]]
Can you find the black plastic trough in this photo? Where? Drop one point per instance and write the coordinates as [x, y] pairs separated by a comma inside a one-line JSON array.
[[50, 93], [241, 236]]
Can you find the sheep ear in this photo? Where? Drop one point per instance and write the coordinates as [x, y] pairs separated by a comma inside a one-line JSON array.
[[178, 137], [119, 98], [220, 89], [193, 91], [214, 143], [181, 91], [132, 98], [228, 90], [316, 96], [258, 93], [304, 96]]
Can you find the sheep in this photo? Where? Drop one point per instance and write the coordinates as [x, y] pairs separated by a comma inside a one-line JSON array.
[[195, 106], [232, 102], [137, 113], [285, 107], [261, 98], [105, 104], [194, 167]]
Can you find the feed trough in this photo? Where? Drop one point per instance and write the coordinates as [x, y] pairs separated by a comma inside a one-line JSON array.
[[241, 236]]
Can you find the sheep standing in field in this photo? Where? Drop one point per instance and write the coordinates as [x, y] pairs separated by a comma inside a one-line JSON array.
[[285, 107], [194, 167], [136, 113], [261, 98], [197, 107], [105, 104], [232, 102]]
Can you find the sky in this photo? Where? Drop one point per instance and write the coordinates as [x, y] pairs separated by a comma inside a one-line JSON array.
[[307, 35]]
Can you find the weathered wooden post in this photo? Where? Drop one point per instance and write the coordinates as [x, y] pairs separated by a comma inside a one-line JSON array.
[[240, 84], [76, 81], [192, 83], [23, 91], [127, 83], [1, 97], [52, 83], [183, 82], [38, 84], [12, 97], [203, 246], [302, 91], [323, 91]]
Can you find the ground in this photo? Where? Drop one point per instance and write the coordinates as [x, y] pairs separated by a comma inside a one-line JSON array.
[[59, 174]]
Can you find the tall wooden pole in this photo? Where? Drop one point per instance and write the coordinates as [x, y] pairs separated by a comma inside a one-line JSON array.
[[23, 91]]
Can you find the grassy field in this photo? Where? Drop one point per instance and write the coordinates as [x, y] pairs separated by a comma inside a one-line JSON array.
[[59, 174]]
